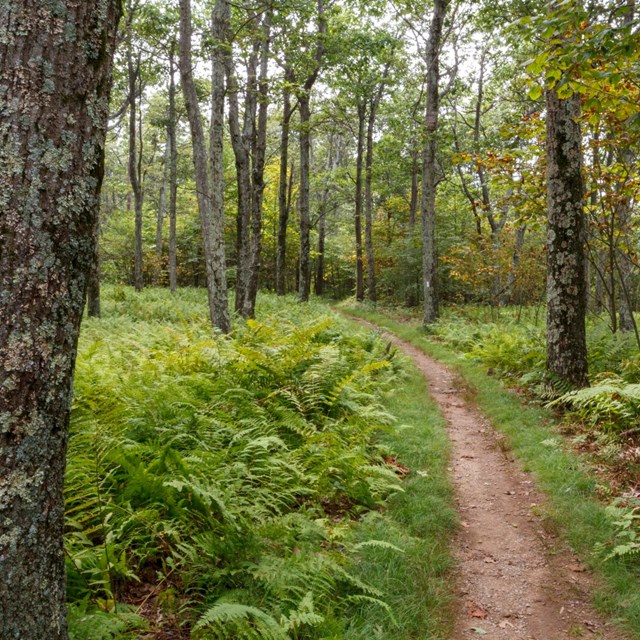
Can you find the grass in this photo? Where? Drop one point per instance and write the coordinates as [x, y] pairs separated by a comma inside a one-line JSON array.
[[420, 520], [572, 508], [245, 486]]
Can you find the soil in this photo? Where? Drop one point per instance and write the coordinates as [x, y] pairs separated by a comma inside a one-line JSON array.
[[515, 580]]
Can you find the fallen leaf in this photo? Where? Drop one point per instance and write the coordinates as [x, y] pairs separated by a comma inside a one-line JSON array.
[[504, 624], [577, 567], [490, 560], [479, 630], [479, 613]]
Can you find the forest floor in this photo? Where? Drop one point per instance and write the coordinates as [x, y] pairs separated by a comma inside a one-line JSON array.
[[515, 578]]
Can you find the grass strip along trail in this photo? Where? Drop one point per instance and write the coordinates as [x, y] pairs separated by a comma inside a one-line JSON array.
[[509, 535]]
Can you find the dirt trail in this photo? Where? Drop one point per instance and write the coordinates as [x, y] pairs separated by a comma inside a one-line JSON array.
[[514, 580]]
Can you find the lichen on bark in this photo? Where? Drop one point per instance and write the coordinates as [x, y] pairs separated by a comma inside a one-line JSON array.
[[55, 69]]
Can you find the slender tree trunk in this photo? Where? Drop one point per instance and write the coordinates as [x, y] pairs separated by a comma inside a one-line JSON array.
[[54, 97], [429, 168], [507, 295], [304, 279], [211, 223], [283, 203], [162, 207], [414, 201], [93, 278], [135, 154], [368, 200], [358, 203], [241, 141], [173, 173], [566, 300], [322, 232], [304, 108], [259, 157]]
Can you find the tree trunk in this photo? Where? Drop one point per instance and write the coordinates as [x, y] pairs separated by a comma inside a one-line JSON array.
[[93, 277], [283, 203], [358, 203], [258, 185], [566, 300], [162, 206], [241, 141], [429, 184], [304, 98], [304, 281], [54, 105], [368, 201], [135, 156], [507, 294], [413, 203], [173, 173], [211, 222]]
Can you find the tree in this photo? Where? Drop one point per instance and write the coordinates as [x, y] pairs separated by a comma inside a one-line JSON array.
[[55, 70], [429, 183], [566, 283], [210, 207]]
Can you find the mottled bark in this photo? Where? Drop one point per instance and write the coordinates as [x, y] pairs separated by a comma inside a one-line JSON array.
[[211, 224], [55, 75], [429, 168], [566, 300], [134, 165], [283, 203], [359, 203], [173, 172]]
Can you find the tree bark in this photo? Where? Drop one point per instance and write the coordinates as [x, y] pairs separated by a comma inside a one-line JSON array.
[[162, 206], [241, 141], [211, 222], [429, 168], [258, 164], [283, 203], [135, 156], [304, 279], [304, 98], [93, 277], [173, 172], [368, 205], [55, 74], [358, 203], [566, 300]]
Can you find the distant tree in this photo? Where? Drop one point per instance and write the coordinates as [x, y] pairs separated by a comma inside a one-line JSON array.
[[55, 73], [429, 168]]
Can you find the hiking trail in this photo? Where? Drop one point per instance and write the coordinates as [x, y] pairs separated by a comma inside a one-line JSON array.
[[514, 580]]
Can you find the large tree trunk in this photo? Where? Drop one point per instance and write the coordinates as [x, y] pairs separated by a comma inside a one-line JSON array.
[[283, 202], [54, 105], [566, 300], [173, 173], [135, 157], [429, 168], [211, 222], [358, 203]]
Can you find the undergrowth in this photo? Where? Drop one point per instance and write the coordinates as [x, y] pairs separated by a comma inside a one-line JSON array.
[[233, 487]]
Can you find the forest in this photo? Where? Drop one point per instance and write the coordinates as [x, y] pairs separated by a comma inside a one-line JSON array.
[[319, 319]]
